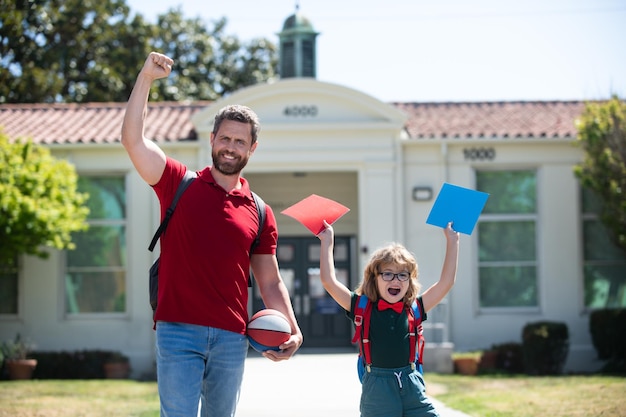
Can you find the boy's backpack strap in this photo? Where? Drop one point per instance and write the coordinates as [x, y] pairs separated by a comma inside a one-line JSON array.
[[362, 315], [184, 183], [261, 213], [416, 334], [359, 313]]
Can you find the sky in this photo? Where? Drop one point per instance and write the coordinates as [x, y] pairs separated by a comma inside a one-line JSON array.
[[446, 50]]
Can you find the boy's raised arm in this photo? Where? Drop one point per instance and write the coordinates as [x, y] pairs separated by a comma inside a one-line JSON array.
[[434, 294], [339, 292]]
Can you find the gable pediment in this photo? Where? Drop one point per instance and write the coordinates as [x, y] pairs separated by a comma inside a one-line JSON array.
[[298, 103]]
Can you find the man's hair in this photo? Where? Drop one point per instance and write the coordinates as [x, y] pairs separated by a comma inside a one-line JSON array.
[[393, 254], [238, 113]]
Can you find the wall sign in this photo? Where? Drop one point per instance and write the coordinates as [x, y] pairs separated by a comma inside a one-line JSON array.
[[300, 111], [479, 154]]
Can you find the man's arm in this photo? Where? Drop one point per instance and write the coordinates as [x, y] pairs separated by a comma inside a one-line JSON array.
[[276, 296], [148, 159]]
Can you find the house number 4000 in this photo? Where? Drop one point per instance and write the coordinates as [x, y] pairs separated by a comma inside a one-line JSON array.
[[480, 154], [295, 111]]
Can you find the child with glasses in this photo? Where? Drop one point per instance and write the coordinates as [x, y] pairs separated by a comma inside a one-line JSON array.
[[392, 384]]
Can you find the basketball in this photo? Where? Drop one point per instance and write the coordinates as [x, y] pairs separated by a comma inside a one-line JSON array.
[[268, 329]]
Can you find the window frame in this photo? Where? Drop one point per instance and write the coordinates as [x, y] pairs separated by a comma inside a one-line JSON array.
[[588, 214], [510, 217], [106, 222], [19, 299]]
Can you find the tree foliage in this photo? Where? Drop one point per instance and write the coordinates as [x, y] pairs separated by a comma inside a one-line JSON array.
[[69, 50], [209, 64], [602, 136], [92, 50], [39, 202]]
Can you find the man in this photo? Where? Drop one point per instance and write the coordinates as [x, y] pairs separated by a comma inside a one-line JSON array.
[[203, 274]]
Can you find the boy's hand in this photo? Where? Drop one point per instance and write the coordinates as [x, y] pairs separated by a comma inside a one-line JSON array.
[[326, 235], [451, 234]]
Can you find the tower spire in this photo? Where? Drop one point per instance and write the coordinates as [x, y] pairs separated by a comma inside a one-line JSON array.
[[297, 47]]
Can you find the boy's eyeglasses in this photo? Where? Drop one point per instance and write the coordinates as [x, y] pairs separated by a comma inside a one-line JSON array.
[[389, 276]]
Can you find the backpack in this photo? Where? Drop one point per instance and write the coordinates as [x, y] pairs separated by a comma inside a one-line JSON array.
[[154, 269], [362, 315]]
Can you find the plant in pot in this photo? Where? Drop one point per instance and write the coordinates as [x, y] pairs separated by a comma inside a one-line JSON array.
[[116, 366], [16, 358], [466, 363]]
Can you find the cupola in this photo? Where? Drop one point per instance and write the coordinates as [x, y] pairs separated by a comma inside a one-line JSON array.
[[297, 47]]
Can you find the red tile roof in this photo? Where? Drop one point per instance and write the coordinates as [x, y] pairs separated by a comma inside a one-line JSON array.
[[169, 122], [519, 119], [95, 122]]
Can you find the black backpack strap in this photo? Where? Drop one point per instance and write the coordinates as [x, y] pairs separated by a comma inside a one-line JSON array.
[[184, 183], [260, 210]]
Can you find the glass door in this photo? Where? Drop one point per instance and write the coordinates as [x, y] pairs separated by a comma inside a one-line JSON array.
[[322, 321]]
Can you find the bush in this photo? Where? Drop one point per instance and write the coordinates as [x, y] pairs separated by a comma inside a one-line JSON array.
[[608, 334], [545, 346], [504, 357], [509, 357], [84, 364]]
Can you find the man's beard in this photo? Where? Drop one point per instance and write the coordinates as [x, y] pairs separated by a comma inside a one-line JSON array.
[[232, 167]]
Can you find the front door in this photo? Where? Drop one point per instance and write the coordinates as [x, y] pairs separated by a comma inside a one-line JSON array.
[[322, 321]]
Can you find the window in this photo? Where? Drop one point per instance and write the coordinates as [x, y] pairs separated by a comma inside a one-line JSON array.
[[308, 58], [604, 264], [507, 250], [8, 287], [288, 53], [96, 270]]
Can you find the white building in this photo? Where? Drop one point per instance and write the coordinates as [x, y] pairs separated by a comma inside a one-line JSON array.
[[532, 257]]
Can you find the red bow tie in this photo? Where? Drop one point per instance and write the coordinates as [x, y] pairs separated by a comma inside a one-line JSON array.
[[397, 307]]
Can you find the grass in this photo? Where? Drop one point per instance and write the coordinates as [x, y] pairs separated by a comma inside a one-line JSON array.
[[524, 396], [478, 396], [74, 398]]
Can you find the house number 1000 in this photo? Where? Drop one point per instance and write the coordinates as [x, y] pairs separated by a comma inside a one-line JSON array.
[[480, 154]]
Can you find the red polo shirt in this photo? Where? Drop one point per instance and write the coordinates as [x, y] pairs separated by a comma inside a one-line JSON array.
[[205, 259]]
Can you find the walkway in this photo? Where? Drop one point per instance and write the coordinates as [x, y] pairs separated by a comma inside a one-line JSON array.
[[313, 383]]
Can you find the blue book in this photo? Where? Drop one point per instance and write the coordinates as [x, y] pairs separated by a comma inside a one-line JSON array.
[[461, 206]]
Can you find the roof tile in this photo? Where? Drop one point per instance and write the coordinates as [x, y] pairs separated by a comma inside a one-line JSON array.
[[61, 123], [520, 119], [170, 122]]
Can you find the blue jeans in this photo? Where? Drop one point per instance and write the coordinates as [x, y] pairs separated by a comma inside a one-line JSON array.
[[199, 364]]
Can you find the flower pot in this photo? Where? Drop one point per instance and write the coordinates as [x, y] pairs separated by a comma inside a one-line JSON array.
[[116, 370], [21, 368], [466, 366]]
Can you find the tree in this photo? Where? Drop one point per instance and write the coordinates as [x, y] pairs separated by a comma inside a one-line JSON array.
[[92, 50], [602, 136], [72, 50], [39, 202], [209, 64]]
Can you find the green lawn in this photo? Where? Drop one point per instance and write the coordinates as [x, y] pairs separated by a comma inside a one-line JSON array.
[[478, 396], [524, 396], [73, 398]]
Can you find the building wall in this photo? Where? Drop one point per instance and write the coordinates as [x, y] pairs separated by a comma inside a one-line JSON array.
[[558, 236], [360, 142]]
